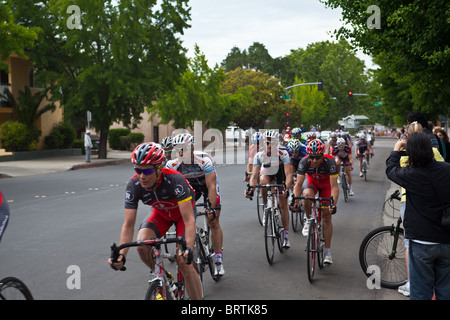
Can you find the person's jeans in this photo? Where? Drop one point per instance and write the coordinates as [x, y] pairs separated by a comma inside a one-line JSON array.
[[429, 269], [88, 154]]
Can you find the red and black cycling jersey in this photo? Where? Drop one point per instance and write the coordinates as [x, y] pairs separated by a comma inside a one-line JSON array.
[[327, 169], [172, 189]]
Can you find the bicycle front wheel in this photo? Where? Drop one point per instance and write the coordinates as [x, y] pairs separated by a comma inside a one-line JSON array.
[[344, 187], [311, 250], [259, 206], [154, 292], [12, 288], [269, 235], [383, 249]]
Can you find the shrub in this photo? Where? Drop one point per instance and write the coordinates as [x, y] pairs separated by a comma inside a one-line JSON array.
[[62, 136], [17, 137], [114, 138], [135, 138]]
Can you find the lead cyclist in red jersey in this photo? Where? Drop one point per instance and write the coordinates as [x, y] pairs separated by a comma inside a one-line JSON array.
[[321, 171], [171, 198]]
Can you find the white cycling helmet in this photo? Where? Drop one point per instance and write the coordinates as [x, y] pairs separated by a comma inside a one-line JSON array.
[[271, 134], [340, 142], [183, 141]]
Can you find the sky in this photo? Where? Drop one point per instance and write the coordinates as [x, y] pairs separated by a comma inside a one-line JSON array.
[[280, 25]]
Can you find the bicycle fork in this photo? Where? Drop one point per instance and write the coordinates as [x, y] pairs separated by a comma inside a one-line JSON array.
[[164, 282]]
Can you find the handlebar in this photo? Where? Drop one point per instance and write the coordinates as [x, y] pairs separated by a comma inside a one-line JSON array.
[[313, 199], [395, 195], [115, 250], [264, 186]]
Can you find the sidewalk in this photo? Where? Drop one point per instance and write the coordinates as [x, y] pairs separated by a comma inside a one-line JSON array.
[[15, 169]]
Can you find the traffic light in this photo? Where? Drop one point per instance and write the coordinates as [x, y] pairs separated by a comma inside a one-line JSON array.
[[320, 85], [350, 95], [287, 117]]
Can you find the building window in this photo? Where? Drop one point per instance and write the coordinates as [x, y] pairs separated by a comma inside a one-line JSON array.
[[34, 81], [156, 133], [4, 85]]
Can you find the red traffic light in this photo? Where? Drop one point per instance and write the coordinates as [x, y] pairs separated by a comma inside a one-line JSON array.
[[287, 114], [350, 93]]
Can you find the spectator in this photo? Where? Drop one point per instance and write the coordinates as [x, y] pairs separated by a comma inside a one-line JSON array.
[[88, 145], [429, 246], [419, 117], [442, 134]]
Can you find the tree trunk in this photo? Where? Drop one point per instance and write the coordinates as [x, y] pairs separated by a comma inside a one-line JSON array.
[[102, 149]]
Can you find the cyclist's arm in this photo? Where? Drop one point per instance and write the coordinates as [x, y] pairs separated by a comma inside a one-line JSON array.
[[126, 235], [288, 169], [211, 182], [187, 213], [334, 188], [298, 185]]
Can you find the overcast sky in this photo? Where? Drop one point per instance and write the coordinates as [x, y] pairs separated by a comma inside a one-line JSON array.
[[281, 25]]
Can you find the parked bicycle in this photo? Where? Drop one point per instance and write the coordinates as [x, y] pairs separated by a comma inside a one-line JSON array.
[[12, 288], [383, 249], [315, 241], [273, 226], [162, 285]]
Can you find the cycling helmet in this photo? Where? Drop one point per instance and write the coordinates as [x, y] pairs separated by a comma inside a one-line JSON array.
[[296, 132], [257, 137], [315, 147], [166, 143], [340, 142], [294, 145], [333, 135], [362, 136], [311, 136], [183, 141], [271, 134], [148, 153]]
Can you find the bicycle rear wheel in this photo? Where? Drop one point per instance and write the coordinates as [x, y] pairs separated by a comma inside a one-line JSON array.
[[320, 245], [269, 235], [365, 170], [377, 250], [344, 187], [311, 250], [12, 288]]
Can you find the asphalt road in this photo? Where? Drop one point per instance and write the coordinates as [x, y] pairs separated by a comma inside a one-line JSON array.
[[62, 225]]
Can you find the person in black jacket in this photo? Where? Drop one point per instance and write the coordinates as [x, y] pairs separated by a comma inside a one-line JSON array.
[[427, 184]]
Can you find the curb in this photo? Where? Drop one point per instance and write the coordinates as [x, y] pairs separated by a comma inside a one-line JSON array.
[[99, 164]]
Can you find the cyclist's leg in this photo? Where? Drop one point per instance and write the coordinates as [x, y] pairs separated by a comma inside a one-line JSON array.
[[190, 275], [153, 226], [325, 192], [359, 157]]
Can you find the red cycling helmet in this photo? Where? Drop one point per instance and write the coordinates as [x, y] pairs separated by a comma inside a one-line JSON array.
[[148, 153], [315, 147]]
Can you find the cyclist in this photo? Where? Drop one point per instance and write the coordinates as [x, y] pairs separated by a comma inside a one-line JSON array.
[[362, 148], [331, 143], [199, 169], [170, 196], [296, 133], [321, 172], [296, 151], [256, 144], [343, 153], [166, 144], [4, 215], [272, 165]]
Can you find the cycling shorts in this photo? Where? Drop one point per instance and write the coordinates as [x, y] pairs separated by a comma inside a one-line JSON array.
[[323, 187]]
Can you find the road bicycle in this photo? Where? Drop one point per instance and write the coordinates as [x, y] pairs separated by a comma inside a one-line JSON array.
[[365, 165], [12, 288], [273, 226], [382, 252], [205, 259], [343, 179], [162, 285], [315, 241]]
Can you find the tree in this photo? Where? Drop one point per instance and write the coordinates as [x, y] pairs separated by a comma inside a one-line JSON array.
[[413, 41], [13, 37], [121, 58], [266, 96], [198, 96]]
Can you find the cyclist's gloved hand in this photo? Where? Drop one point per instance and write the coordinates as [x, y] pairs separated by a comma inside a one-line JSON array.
[[212, 212], [249, 194], [333, 210], [189, 255]]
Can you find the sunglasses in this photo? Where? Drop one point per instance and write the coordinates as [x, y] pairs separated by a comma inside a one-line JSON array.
[[315, 157], [146, 172]]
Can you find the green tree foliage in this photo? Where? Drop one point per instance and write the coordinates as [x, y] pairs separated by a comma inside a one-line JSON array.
[[266, 96], [198, 96], [122, 55], [412, 44]]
